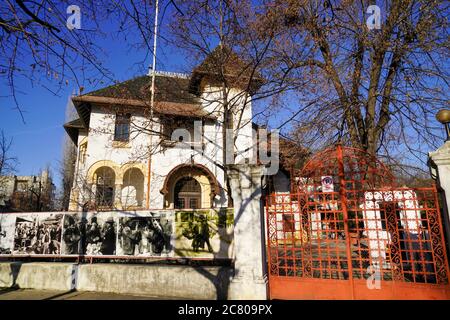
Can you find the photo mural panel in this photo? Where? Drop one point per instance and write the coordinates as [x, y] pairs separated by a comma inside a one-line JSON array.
[[145, 234], [204, 233], [38, 233], [89, 233], [7, 229], [160, 233]]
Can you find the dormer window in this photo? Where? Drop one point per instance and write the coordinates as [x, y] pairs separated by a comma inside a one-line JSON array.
[[122, 127]]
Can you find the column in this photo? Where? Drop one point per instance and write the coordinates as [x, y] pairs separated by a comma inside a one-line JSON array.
[[92, 194], [118, 196], [93, 188], [250, 278], [439, 162], [74, 200]]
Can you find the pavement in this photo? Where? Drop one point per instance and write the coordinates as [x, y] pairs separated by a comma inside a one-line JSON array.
[[31, 294]]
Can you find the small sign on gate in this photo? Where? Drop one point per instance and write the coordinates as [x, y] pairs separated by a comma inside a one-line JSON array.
[[327, 184]]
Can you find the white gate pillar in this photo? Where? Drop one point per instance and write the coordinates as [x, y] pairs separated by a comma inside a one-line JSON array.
[[439, 162], [250, 277]]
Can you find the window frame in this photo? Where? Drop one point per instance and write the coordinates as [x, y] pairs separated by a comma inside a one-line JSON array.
[[186, 196], [122, 126], [105, 188]]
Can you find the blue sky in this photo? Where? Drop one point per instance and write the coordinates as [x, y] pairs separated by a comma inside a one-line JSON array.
[[38, 142]]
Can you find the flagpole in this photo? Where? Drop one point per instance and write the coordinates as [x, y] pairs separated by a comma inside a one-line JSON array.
[[152, 101]]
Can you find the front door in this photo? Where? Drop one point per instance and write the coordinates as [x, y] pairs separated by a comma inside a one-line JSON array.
[[187, 194]]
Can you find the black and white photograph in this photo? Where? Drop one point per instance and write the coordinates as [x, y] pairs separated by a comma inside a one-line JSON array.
[[145, 235], [7, 226], [89, 234], [38, 234], [100, 234], [73, 230]]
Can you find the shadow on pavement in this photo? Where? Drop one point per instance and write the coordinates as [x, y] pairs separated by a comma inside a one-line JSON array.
[[60, 295], [8, 290]]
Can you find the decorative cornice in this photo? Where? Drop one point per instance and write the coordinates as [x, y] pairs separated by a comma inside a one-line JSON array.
[[442, 155]]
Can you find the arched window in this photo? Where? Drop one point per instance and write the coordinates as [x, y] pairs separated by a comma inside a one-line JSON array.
[[104, 179], [133, 188], [187, 193]]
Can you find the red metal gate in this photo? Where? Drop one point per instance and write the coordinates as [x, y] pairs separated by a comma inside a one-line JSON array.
[[348, 232]]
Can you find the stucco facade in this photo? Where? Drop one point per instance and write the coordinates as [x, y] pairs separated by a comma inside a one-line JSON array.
[[145, 152]]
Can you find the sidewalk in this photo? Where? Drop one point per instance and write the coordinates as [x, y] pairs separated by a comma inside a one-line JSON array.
[[30, 294]]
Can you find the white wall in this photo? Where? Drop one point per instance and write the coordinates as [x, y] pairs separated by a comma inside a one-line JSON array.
[[101, 138], [101, 145], [242, 116]]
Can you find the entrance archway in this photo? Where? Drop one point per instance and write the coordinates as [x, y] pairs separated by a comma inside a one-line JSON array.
[[196, 184]]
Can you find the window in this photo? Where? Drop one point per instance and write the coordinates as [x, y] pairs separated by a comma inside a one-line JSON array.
[[21, 185], [104, 196], [229, 120], [181, 203], [187, 193], [122, 127], [193, 203], [83, 150]]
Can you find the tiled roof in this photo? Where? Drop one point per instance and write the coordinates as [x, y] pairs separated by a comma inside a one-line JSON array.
[[222, 57], [167, 89], [291, 154], [223, 62], [172, 96]]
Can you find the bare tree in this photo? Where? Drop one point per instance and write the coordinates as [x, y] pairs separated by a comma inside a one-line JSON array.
[[7, 161], [67, 171], [34, 194], [222, 35], [378, 89], [36, 44]]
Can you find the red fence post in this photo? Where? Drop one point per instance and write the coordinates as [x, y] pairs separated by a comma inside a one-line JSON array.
[[343, 195]]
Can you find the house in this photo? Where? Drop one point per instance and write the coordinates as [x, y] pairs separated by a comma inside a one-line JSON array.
[[131, 156], [26, 193]]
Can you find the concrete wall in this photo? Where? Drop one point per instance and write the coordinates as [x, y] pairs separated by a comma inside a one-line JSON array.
[[48, 276], [155, 280]]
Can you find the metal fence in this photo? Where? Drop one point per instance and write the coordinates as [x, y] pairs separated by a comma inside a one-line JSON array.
[[350, 232]]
